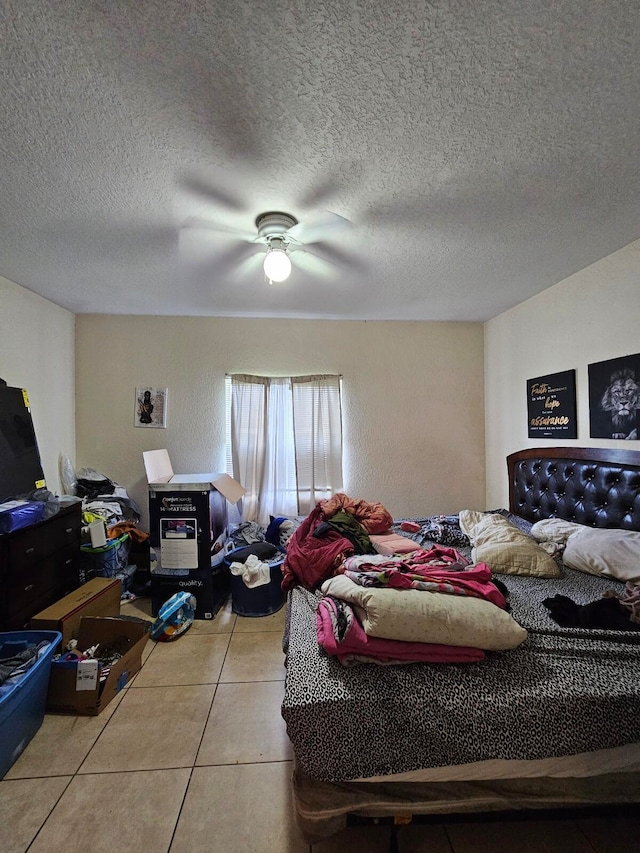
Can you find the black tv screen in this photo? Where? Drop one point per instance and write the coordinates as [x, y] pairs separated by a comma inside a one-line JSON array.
[[20, 466]]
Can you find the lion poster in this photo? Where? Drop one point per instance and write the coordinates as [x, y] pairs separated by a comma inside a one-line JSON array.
[[614, 398]]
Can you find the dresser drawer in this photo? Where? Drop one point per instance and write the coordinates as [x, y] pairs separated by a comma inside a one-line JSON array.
[[29, 585], [66, 570], [66, 531], [33, 544], [28, 548], [19, 620], [38, 565]]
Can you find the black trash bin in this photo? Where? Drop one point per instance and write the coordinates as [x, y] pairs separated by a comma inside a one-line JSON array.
[[260, 600]]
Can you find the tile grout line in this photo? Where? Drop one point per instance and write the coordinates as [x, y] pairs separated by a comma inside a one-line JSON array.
[[204, 728], [52, 809]]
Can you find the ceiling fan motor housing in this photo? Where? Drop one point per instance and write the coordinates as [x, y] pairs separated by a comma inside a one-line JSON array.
[[274, 223]]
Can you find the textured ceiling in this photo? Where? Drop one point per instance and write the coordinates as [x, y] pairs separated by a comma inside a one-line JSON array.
[[482, 151]]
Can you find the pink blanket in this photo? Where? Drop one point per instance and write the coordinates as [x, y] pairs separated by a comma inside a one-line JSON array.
[[338, 618], [393, 543]]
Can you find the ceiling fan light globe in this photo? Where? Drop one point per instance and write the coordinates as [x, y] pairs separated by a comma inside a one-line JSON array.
[[277, 266]]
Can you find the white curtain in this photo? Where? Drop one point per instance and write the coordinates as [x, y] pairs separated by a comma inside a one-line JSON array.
[[286, 442], [317, 425]]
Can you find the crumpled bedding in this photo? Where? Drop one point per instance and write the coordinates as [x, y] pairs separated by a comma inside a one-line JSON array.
[[310, 559], [316, 549], [563, 691], [431, 617], [372, 516]]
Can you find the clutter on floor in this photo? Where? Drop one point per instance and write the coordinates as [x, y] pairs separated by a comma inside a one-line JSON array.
[[254, 559], [111, 520], [174, 617], [106, 655]]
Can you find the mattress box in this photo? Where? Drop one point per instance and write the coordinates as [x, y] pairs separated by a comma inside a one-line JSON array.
[[22, 702], [97, 597], [209, 588]]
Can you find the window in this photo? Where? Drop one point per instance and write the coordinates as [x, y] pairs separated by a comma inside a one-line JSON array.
[[284, 442]]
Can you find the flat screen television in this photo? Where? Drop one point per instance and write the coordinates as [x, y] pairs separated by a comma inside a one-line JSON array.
[[20, 466]]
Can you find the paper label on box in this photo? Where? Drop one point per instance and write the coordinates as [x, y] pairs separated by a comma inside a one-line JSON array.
[[179, 543], [87, 675]]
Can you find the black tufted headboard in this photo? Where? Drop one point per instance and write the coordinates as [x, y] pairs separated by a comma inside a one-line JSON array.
[[593, 486]]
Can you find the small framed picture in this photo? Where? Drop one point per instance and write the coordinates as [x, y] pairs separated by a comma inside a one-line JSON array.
[[151, 408]]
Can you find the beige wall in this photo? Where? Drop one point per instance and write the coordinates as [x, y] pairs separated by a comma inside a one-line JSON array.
[[37, 353], [413, 398], [592, 316], [414, 393]]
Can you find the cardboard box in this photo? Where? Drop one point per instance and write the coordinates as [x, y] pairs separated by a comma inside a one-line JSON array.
[[77, 688], [97, 597], [159, 470], [209, 588], [187, 516]]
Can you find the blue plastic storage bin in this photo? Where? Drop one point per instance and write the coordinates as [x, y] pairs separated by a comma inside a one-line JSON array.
[[22, 705], [107, 561], [258, 600]]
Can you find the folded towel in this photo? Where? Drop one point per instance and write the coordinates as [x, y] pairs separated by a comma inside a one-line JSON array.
[[393, 543]]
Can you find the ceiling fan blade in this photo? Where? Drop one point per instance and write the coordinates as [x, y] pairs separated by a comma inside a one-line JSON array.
[[326, 183], [197, 225], [250, 266], [319, 193], [339, 257], [314, 265], [313, 231], [204, 188], [226, 263]]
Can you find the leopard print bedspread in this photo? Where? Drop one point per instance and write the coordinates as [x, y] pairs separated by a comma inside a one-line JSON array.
[[563, 691]]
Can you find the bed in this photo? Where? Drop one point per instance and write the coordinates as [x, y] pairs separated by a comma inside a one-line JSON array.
[[553, 722]]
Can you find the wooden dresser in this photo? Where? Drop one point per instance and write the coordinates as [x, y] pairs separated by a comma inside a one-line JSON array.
[[38, 565]]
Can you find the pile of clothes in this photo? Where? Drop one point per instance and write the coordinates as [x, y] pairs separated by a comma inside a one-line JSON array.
[[105, 500], [16, 658], [375, 584], [117, 517], [336, 528], [614, 611]]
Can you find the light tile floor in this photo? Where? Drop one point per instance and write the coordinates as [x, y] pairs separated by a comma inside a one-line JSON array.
[[193, 756]]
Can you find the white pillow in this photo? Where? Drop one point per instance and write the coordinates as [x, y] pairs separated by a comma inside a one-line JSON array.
[[504, 548], [555, 530], [612, 553], [418, 616]]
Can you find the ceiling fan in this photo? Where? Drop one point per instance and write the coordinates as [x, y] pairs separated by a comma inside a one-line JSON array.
[[279, 243], [284, 236]]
